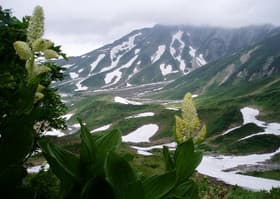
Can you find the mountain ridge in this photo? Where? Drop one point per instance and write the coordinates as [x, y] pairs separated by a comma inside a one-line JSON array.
[[159, 53]]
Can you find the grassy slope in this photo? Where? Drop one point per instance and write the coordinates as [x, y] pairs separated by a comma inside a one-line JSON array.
[[271, 174], [100, 110]]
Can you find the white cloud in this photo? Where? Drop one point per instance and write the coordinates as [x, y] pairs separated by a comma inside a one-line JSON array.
[[85, 24]]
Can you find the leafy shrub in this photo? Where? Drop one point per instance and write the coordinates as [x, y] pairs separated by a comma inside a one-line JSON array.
[[100, 172], [28, 105]]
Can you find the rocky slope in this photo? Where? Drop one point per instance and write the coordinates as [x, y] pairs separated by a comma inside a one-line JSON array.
[[156, 54]]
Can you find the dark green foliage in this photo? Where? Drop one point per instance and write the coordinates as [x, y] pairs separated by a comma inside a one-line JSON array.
[[169, 163], [44, 185], [186, 160], [101, 172], [157, 186], [122, 178], [19, 111]]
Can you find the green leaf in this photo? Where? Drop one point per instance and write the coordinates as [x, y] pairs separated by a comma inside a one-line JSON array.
[[107, 142], [158, 186], [64, 164], [122, 178], [97, 188], [169, 164], [88, 147], [186, 189], [186, 160]]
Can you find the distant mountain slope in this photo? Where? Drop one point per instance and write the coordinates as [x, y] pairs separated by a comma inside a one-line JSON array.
[[250, 71], [156, 54]]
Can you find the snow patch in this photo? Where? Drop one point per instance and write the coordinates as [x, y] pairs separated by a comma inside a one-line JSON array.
[[195, 95], [102, 128], [37, 168], [117, 74], [199, 60], [166, 69], [54, 132], [157, 55], [136, 51], [67, 65], [67, 116], [146, 114], [249, 116], [63, 94], [142, 134], [94, 64], [192, 51], [73, 75], [81, 70], [178, 36], [122, 100], [135, 70], [230, 130], [123, 48], [215, 166], [145, 150], [173, 109], [80, 87]]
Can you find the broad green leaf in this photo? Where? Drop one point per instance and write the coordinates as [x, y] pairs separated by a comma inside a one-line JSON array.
[[186, 160], [64, 164], [109, 141], [186, 189], [88, 147], [158, 186], [122, 177], [97, 188], [106, 143], [169, 164]]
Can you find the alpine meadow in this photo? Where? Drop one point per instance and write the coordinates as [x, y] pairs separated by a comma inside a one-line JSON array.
[[186, 106]]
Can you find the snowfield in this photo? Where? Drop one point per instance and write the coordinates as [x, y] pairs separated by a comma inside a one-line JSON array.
[[121, 48], [102, 128], [249, 116], [145, 150], [122, 100], [178, 56], [96, 62], [116, 75], [146, 114], [67, 116], [80, 87], [37, 168], [166, 69], [157, 55], [215, 166], [54, 132], [73, 75], [142, 134]]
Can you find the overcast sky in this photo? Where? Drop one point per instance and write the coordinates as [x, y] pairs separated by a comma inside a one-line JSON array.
[[83, 25]]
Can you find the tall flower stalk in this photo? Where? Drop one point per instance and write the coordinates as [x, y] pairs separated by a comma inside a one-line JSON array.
[[35, 48], [188, 125]]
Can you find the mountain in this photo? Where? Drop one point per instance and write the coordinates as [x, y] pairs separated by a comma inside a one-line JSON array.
[[156, 54], [255, 69]]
